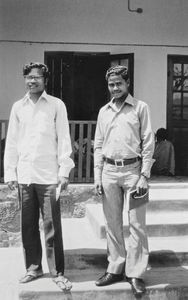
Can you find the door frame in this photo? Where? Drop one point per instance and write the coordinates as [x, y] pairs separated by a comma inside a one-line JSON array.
[[177, 125]]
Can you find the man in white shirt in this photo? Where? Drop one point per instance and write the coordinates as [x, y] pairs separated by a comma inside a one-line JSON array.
[[37, 160]]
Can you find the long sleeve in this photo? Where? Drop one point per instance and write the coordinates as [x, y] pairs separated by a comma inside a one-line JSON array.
[[98, 157], [63, 142], [147, 138], [11, 152]]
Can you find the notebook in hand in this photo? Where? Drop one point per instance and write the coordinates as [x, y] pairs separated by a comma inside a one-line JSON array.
[[58, 192], [134, 200]]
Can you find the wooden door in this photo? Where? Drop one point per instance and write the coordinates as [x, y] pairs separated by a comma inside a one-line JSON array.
[[79, 80], [177, 110]]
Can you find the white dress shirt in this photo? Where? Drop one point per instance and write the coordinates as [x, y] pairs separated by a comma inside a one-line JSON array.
[[124, 133], [38, 145]]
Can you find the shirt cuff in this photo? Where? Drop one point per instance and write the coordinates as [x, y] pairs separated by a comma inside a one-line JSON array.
[[10, 176], [64, 171], [146, 168], [65, 168]]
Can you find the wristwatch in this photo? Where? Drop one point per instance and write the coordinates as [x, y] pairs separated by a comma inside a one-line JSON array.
[[144, 175]]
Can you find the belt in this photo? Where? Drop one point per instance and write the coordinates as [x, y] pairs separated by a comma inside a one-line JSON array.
[[121, 162]]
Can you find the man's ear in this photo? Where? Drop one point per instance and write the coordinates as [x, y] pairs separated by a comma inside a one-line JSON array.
[[128, 82]]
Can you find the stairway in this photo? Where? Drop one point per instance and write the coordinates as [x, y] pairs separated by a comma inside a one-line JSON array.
[[166, 219]]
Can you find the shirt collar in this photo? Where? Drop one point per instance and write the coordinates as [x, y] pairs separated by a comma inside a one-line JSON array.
[[43, 96], [129, 100]]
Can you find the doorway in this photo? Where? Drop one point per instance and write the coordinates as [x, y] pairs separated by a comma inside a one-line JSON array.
[[79, 80], [177, 110]]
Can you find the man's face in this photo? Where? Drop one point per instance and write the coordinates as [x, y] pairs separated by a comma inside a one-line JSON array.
[[35, 82], [117, 86]]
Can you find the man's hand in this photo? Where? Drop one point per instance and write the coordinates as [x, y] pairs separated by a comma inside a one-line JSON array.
[[12, 185], [63, 181], [98, 188], [142, 186]]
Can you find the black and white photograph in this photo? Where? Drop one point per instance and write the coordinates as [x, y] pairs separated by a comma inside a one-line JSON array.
[[94, 149]]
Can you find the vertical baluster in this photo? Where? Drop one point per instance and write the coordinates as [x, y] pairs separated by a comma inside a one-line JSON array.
[[88, 151], [72, 133], [92, 139], [80, 152]]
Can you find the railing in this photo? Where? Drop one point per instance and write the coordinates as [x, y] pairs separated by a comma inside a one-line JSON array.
[[82, 136]]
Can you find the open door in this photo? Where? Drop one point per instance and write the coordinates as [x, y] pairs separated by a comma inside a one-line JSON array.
[[79, 80]]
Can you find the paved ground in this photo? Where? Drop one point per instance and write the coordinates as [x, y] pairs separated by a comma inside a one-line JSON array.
[[162, 283]]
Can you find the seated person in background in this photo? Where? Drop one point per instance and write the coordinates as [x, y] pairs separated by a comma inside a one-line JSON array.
[[164, 155]]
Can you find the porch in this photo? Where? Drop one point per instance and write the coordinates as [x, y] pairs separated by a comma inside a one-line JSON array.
[[82, 137]]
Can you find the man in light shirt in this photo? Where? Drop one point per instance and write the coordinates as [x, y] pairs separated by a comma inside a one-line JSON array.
[[123, 150], [37, 160]]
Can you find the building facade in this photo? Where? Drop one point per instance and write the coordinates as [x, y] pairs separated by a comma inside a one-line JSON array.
[[80, 39]]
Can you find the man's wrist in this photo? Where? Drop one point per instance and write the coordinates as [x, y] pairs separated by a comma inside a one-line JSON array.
[[145, 176]]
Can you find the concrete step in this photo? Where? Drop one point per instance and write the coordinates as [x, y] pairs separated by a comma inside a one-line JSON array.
[[165, 205], [168, 183], [160, 223], [168, 193], [84, 250], [168, 198], [162, 283]]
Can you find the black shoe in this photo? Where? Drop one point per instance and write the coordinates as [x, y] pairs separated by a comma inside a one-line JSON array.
[[138, 286], [109, 278]]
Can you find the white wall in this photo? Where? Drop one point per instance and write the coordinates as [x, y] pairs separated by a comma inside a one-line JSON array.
[[108, 21], [162, 21]]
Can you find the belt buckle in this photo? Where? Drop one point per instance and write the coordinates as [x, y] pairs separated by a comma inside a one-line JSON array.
[[119, 162]]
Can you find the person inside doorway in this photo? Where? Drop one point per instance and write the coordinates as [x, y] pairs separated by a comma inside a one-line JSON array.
[[123, 150], [164, 156], [37, 160]]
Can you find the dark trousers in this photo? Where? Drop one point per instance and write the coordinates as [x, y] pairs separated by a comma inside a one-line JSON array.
[[36, 198]]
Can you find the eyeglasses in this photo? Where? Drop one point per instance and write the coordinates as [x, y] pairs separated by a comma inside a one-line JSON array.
[[30, 77]]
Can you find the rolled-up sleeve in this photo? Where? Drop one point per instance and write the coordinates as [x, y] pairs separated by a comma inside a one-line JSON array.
[[11, 152], [147, 139], [63, 143], [98, 156]]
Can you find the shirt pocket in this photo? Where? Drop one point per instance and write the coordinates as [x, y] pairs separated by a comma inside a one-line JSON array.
[[46, 125]]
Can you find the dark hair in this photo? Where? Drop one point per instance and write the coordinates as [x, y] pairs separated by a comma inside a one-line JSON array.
[[32, 65], [118, 70], [162, 134]]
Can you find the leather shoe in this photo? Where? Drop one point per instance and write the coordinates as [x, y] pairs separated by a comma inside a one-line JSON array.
[[138, 286], [109, 278]]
